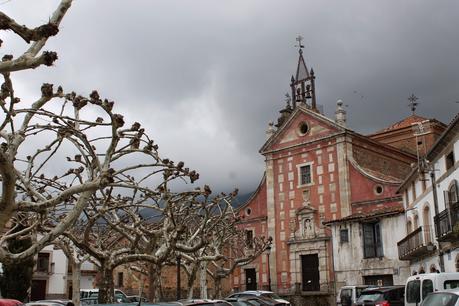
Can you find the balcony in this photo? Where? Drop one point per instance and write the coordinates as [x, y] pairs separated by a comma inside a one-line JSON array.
[[447, 223], [416, 244]]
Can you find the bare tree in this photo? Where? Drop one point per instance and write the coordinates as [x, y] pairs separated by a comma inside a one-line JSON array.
[[64, 150], [148, 225]]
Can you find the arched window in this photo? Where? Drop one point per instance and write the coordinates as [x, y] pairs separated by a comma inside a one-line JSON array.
[[415, 222], [427, 228], [433, 269], [421, 270]]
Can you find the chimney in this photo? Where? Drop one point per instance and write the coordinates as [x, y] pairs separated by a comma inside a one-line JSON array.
[[340, 113]]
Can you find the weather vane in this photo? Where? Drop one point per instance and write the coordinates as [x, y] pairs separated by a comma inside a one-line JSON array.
[[299, 39], [413, 102]]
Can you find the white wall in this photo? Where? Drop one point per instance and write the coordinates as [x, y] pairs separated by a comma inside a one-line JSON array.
[[351, 267]]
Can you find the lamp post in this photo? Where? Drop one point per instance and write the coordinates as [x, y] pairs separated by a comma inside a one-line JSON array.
[[267, 252], [178, 276]]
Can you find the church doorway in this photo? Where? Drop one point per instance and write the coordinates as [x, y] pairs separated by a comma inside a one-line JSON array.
[[310, 272]]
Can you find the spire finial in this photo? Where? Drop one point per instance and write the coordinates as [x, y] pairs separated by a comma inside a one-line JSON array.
[[413, 102], [300, 46]]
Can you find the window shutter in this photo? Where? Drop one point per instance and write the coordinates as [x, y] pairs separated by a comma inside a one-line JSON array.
[[368, 240], [446, 196], [379, 246]]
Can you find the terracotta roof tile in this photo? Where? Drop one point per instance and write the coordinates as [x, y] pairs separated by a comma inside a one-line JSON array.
[[387, 211], [407, 122]]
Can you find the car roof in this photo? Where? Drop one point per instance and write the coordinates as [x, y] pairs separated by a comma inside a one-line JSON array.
[[356, 286], [384, 288]]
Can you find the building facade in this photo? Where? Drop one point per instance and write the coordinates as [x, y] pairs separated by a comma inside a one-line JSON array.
[[430, 196], [318, 171]]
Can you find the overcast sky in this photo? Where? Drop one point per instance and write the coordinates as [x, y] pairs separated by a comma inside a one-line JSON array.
[[206, 77]]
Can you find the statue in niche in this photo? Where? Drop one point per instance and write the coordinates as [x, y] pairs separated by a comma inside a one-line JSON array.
[[308, 228]]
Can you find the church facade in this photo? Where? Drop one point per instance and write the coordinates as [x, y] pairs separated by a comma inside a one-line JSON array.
[[317, 171]]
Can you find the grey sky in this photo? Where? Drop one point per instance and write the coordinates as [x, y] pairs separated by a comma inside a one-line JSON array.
[[205, 77]]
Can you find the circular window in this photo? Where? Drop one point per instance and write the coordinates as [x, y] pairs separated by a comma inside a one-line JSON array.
[[304, 128], [379, 189], [248, 211]]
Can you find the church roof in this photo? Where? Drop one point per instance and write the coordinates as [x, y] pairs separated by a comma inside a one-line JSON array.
[[302, 72]]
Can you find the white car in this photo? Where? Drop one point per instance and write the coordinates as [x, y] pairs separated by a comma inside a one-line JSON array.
[[448, 297], [268, 294]]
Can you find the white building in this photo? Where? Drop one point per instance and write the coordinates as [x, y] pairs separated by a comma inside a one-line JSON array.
[[432, 211], [52, 276], [365, 248]]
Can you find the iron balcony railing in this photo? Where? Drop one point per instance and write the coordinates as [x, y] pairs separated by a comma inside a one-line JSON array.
[[445, 222], [417, 243]]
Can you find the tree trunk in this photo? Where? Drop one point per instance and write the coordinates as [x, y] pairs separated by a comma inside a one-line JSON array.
[[203, 280], [218, 287], [105, 285], [155, 283], [191, 279], [76, 280]]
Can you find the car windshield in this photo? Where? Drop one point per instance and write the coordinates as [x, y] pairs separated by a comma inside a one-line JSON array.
[[370, 296], [440, 299], [358, 291], [271, 295]]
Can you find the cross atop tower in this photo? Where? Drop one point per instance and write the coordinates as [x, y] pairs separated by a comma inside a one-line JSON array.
[[413, 102], [299, 39]]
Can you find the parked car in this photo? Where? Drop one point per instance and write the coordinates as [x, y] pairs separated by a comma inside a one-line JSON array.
[[268, 294], [442, 298], [50, 303], [242, 301], [120, 296], [419, 286], [254, 301], [137, 298], [382, 296], [202, 303], [89, 301], [348, 295], [10, 302]]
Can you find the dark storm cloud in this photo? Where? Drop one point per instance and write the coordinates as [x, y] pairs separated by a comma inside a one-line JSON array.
[[206, 77]]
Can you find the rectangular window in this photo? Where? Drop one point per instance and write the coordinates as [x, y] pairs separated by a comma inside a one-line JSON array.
[[372, 241], [413, 190], [43, 262], [423, 182], [344, 235], [249, 238], [305, 175], [450, 160]]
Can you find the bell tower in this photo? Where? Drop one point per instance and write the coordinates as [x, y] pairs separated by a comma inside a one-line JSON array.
[[303, 84]]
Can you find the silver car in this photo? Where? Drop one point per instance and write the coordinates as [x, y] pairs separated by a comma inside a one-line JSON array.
[[442, 298]]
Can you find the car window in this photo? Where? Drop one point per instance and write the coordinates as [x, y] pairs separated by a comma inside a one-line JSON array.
[[271, 295], [346, 297], [371, 296], [427, 287], [412, 291], [440, 299], [358, 291], [450, 284]]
